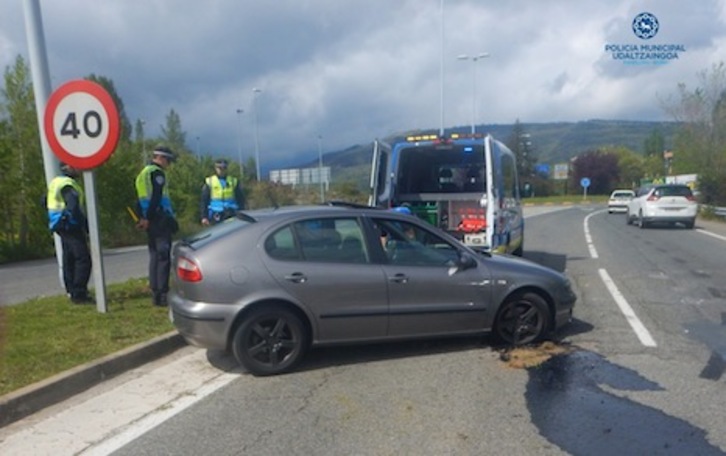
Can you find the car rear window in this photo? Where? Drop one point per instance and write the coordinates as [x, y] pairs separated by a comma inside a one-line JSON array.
[[680, 190], [622, 195], [207, 235]]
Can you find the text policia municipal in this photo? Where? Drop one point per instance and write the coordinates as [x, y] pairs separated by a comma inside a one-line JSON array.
[[644, 51]]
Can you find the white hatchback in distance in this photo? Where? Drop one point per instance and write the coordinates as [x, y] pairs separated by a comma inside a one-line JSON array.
[[667, 203], [618, 201]]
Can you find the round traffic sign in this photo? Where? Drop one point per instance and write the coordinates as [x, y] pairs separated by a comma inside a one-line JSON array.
[[81, 123], [585, 182]]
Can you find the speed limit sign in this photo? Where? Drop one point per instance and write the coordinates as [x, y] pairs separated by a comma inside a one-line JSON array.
[[81, 123]]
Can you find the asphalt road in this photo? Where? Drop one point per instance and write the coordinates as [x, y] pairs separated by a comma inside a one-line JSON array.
[[642, 372]]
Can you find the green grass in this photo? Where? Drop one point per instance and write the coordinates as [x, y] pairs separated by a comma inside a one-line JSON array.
[[566, 199], [43, 337]]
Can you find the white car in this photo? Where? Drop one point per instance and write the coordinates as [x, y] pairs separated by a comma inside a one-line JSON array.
[[618, 201], [667, 203]]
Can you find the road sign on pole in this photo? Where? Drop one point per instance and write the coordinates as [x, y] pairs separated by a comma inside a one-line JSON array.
[[584, 182], [81, 123]]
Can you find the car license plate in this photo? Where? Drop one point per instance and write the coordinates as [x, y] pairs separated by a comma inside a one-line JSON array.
[[475, 239]]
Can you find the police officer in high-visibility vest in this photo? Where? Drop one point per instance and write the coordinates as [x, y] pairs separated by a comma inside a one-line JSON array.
[[222, 195], [156, 217], [67, 218]]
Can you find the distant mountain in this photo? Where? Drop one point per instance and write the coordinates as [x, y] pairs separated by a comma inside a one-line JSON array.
[[553, 142]]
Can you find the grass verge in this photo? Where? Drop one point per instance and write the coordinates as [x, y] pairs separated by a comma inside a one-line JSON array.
[[45, 336]]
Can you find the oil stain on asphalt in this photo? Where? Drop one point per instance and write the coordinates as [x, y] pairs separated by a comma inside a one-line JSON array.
[[571, 409]]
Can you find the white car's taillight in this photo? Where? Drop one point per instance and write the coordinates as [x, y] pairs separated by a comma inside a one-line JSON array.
[[188, 271]]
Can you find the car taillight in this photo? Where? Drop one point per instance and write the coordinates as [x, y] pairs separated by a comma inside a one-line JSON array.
[[691, 198], [188, 271], [653, 198]]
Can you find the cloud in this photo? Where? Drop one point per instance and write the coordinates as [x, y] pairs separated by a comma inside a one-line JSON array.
[[354, 71]]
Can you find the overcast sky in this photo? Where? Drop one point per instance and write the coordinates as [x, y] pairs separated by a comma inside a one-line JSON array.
[[354, 70]]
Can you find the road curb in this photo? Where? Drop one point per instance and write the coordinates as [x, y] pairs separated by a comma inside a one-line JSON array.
[[32, 398]]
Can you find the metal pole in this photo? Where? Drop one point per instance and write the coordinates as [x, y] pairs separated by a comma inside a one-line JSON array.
[[441, 69], [95, 241], [41, 88], [239, 142], [320, 168], [255, 91]]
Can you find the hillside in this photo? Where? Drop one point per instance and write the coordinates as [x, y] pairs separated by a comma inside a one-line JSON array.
[[553, 142]]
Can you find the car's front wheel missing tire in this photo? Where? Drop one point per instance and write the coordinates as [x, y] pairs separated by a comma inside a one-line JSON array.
[[271, 340], [524, 318]]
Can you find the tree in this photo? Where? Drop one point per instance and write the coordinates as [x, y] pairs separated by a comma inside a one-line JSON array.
[[172, 134], [520, 143], [107, 84], [700, 143], [598, 166], [23, 183]]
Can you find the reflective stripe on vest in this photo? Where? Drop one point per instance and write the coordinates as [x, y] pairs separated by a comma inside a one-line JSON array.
[[221, 196], [55, 203], [144, 189]]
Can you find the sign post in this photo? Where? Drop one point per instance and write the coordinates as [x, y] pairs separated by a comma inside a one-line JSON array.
[[82, 125], [584, 182]]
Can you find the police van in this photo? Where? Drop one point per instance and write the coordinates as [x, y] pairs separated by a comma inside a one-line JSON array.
[[465, 184]]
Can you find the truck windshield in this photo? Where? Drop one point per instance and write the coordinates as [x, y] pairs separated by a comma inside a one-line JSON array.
[[441, 169]]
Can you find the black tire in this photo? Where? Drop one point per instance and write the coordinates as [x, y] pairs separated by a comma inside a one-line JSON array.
[[524, 318], [271, 340], [690, 224], [642, 223], [628, 219]]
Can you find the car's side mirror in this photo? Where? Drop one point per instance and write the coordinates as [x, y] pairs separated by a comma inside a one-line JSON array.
[[464, 262]]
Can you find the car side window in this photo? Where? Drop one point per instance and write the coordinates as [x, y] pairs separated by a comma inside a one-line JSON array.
[[281, 245], [408, 244], [337, 240]]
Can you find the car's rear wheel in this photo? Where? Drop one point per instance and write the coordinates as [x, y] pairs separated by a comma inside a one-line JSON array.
[[524, 318], [628, 219], [690, 224], [641, 223], [271, 340]]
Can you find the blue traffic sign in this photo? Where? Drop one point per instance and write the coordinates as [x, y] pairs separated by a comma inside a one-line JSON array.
[[585, 182]]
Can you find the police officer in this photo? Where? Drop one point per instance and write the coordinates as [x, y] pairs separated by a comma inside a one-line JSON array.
[[156, 217], [221, 195], [66, 217]]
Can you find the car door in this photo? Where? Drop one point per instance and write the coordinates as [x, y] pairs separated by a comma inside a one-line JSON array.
[[324, 264], [426, 295]]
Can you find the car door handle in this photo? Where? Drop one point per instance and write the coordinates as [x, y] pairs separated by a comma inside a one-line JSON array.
[[399, 278], [296, 277]]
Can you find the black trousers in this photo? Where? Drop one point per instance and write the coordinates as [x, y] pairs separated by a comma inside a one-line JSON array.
[[159, 261], [76, 263]]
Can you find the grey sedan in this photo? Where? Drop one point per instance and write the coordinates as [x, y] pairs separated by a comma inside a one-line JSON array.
[[269, 284]]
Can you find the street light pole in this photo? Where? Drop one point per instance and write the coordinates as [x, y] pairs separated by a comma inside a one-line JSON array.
[[255, 91], [474, 59], [239, 142], [320, 168]]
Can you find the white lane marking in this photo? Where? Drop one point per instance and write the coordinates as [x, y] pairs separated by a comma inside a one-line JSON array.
[[640, 329], [119, 411], [708, 233], [588, 238], [157, 417]]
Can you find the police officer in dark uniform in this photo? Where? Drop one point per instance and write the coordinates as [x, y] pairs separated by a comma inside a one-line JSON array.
[[221, 195], [66, 217], [156, 217]]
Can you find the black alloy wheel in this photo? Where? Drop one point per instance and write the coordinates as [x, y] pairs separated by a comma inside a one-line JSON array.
[[271, 340], [523, 319]]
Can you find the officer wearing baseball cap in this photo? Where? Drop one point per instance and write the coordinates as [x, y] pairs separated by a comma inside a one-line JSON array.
[[222, 195]]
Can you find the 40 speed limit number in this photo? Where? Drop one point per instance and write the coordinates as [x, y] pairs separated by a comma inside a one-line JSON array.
[[81, 123]]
